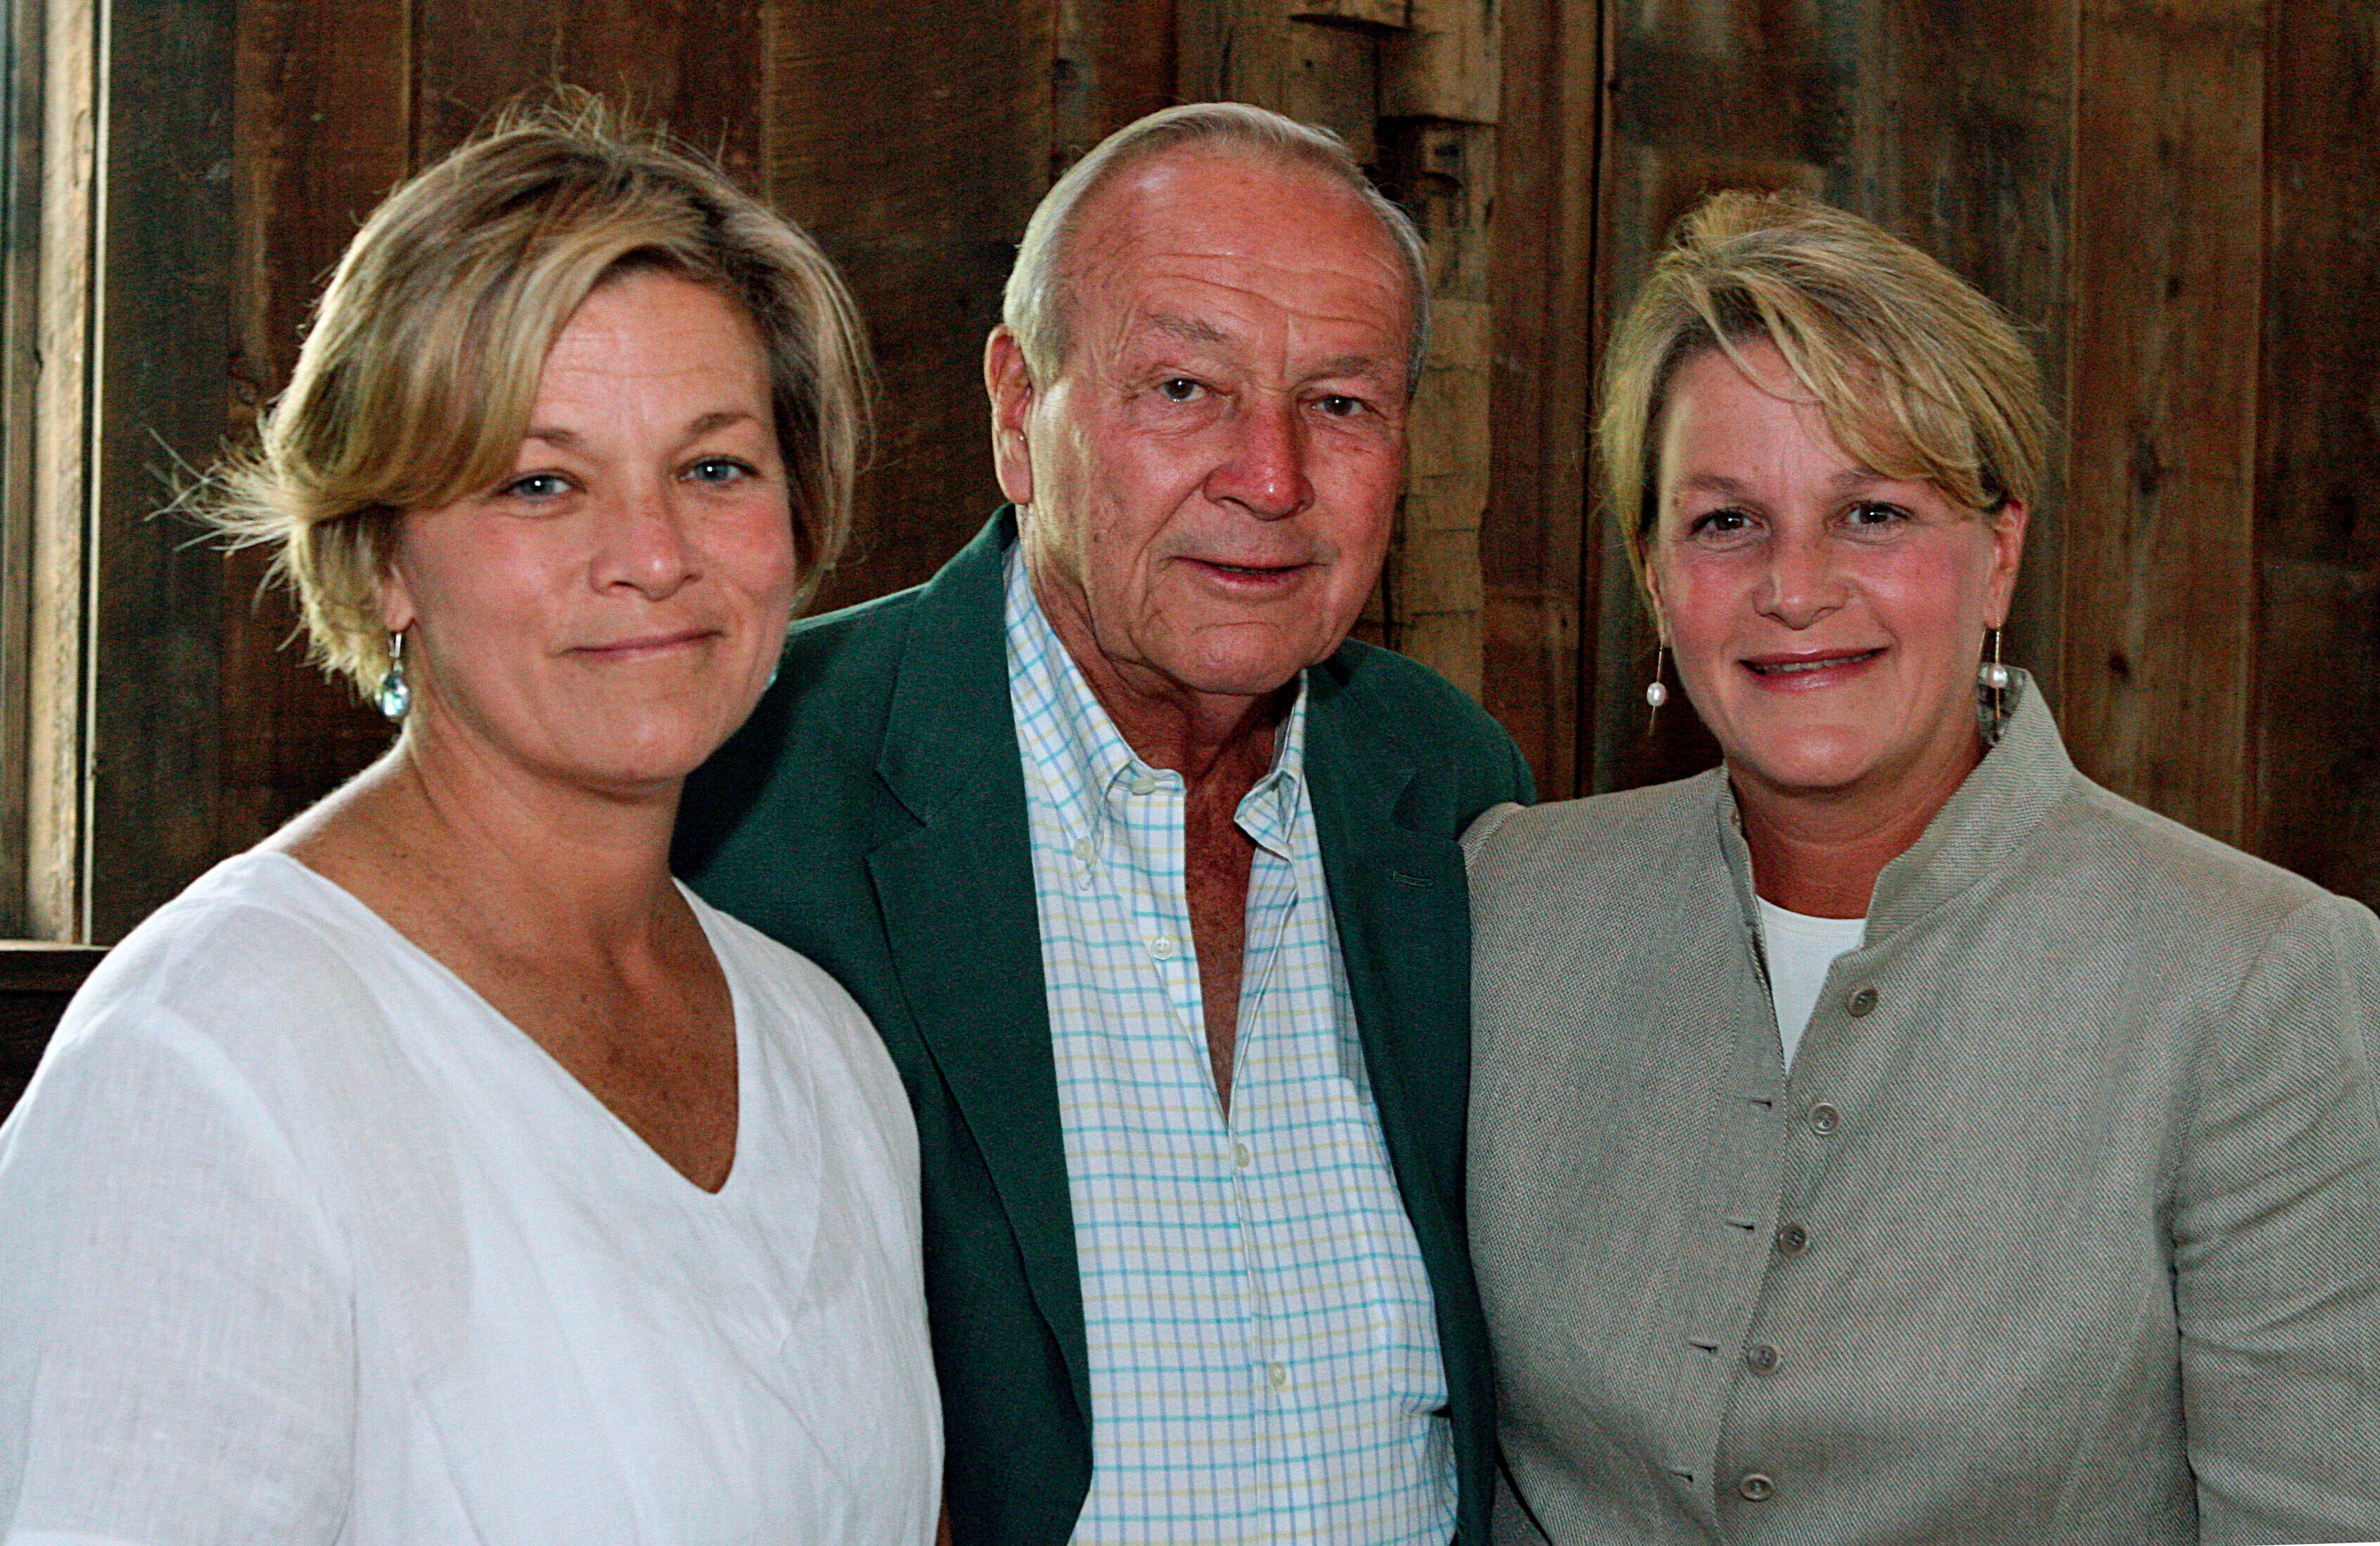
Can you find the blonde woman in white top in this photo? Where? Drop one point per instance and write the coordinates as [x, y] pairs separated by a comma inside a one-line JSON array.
[[441, 1170]]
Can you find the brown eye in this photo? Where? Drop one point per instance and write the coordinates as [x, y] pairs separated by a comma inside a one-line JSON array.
[[1180, 389]]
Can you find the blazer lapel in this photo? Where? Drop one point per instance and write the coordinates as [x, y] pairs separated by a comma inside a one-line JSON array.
[[962, 918], [1402, 909]]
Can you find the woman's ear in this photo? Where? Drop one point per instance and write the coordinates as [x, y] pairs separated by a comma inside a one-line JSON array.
[[2007, 525], [1653, 602]]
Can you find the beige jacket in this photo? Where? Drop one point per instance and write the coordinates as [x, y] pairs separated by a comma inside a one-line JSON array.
[[2065, 1229]]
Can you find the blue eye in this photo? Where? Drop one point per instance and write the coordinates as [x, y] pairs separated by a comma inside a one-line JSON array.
[[718, 470], [539, 486], [1338, 407]]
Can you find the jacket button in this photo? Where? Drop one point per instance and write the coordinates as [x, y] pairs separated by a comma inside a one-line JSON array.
[[1761, 1359], [1791, 1239], [1825, 1118], [1757, 1488], [1859, 1002]]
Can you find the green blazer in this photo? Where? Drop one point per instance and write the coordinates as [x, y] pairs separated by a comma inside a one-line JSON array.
[[871, 815]]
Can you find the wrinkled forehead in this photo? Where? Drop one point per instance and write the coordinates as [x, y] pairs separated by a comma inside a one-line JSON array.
[[1197, 242]]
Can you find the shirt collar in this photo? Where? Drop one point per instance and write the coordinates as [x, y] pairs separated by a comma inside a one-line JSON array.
[[1086, 761]]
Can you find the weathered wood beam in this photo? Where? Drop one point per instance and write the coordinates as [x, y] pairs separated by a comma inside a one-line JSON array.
[[2316, 750], [2167, 273]]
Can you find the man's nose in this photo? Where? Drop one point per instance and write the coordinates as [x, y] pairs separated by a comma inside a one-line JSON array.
[[1803, 582], [642, 542], [1264, 466]]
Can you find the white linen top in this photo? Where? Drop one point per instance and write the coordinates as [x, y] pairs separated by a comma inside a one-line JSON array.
[[1800, 951], [301, 1242]]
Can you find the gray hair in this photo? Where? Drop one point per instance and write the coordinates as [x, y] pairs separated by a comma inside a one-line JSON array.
[[1036, 302]]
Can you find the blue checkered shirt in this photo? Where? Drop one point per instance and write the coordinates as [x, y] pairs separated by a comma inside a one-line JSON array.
[[1264, 1358]]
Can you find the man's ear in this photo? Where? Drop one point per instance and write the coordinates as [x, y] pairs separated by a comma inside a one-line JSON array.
[[1009, 384]]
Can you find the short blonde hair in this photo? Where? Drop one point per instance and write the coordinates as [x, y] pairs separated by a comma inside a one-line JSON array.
[[1918, 375], [418, 375], [1039, 294]]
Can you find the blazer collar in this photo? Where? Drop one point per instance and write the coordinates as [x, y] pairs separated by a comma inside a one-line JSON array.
[[950, 722]]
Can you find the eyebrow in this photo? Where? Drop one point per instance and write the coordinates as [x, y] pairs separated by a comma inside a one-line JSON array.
[[1719, 483], [1192, 328], [704, 424]]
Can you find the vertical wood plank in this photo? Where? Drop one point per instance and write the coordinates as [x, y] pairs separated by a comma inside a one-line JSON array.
[[20, 362], [1539, 272], [321, 129], [690, 65], [913, 137], [2317, 723], [164, 336], [1116, 61], [2160, 576], [57, 658]]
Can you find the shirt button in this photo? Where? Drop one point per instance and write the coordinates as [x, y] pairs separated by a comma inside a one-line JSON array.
[[1761, 1359], [1859, 1002], [1277, 1374], [1240, 1156], [1757, 1488], [1825, 1118], [1161, 947], [1144, 784], [1792, 1240], [1085, 850]]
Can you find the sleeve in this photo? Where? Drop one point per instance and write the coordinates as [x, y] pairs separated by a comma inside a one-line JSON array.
[[2276, 1244], [178, 1367]]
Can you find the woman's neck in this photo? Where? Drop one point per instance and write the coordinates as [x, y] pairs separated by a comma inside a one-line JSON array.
[[1819, 854], [445, 838]]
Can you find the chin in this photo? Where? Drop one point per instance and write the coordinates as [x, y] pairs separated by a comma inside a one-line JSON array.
[[1810, 764], [638, 754]]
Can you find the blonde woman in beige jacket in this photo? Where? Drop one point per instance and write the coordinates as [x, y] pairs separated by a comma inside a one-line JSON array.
[[1891, 1136]]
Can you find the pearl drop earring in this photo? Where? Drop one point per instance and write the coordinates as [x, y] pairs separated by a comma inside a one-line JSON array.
[[1656, 692]]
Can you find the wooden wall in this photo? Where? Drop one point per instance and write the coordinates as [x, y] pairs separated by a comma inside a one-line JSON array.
[[2180, 199]]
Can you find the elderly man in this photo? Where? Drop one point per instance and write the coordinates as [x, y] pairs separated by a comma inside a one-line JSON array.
[[1151, 880]]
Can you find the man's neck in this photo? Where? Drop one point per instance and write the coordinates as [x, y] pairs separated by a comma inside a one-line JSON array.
[[1207, 737]]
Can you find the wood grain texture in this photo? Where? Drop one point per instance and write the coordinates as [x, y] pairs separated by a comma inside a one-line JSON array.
[[693, 67], [1116, 61], [912, 137], [322, 130], [20, 361], [155, 701], [57, 652], [2168, 272], [1444, 174], [1540, 263], [2317, 747]]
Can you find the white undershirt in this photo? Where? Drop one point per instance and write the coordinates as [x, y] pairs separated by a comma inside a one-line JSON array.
[[1800, 951]]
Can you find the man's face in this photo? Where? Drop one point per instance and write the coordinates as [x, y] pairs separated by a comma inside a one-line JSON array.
[[1211, 477]]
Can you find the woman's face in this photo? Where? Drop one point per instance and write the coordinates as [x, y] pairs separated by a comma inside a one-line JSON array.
[[1827, 621], [612, 611]]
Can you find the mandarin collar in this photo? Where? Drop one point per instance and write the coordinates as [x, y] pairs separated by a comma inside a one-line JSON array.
[[1978, 831]]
